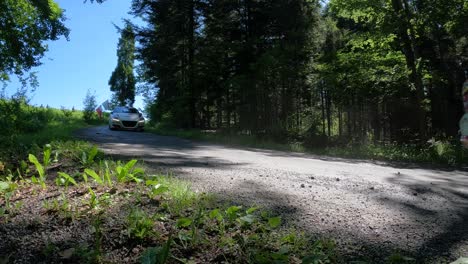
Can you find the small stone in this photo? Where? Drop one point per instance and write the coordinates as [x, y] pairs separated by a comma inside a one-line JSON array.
[[302, 186], [337, 179], [372, 188], [312, 178]]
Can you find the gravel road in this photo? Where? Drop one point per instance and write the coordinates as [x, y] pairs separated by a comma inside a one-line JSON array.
[[371, 209]]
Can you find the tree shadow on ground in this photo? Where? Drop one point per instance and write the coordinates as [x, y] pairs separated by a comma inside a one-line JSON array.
[[451, 216], [434, 205], [352, 245]]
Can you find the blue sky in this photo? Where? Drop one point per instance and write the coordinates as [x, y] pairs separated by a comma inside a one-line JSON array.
[[85, 62]]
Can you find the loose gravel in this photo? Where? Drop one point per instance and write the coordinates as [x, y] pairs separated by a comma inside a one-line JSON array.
[[372, 210]]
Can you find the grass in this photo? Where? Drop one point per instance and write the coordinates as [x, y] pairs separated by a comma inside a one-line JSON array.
[[447, 152], [107, 220], [60, 128], [26, 127]]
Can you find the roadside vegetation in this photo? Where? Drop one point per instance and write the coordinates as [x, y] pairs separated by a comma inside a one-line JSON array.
[[73, 204], [25, 128], [63, 200], [443, 152]]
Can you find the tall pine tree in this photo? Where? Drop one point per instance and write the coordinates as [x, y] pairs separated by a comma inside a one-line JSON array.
[[122, 80]]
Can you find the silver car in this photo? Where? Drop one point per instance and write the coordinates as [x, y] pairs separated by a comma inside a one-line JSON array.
[[128, 118]]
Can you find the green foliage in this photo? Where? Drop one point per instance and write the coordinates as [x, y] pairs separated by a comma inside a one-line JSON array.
[[65, 179], [274, 222], [26, 27], [7, 190], [204, 90], [26, 127], [158, 255], [90, 105], [127, 172], [155, 188], [87, 157], [122, 81], [94, 175], [140, 225], [40, 170]]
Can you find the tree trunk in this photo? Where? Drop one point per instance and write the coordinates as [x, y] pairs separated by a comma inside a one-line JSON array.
[[191, 54], [411, 52]]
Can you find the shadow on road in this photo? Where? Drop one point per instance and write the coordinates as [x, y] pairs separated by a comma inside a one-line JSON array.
[[451, 216], [433, 208]]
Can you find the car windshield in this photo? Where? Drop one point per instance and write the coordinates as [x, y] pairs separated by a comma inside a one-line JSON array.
[[126, 110]]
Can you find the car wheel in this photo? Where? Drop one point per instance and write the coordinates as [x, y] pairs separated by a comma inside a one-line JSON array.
[[111, 128]]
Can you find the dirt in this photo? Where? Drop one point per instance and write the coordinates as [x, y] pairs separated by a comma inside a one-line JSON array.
[[371, 209]]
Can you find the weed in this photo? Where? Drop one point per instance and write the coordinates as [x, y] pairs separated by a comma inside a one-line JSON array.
[[40, 170], [155, 188], [93, 201], [98, 236], [64, 179], [158, 255], [7, 188], [87, 157], [93, 175], [46, 155], [107, 173], [140, 225], [127, 172], [179, 195]]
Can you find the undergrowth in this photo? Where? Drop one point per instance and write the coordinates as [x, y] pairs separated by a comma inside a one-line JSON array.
[[443, 152], [25, 127], [159, 215]]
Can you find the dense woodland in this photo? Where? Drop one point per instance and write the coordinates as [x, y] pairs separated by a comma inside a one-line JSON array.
[[381, 70]]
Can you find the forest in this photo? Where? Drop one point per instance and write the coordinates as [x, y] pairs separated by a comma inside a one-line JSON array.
[[338, 70]]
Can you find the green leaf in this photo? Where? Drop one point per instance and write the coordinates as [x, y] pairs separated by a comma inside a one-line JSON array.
[[184, 222], [94, 175], [130, 165], [159, 189], [38, 165], [151, 182], [4, 186], [274, 222], [85, 177], [251, 210], [216, 214], [67, 177], [34, 180], [92, 153], [249, 219], [47, 152], [138, 171], [232, 212]]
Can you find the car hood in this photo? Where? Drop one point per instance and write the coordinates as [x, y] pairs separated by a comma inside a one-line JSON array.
[[127, 116]]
